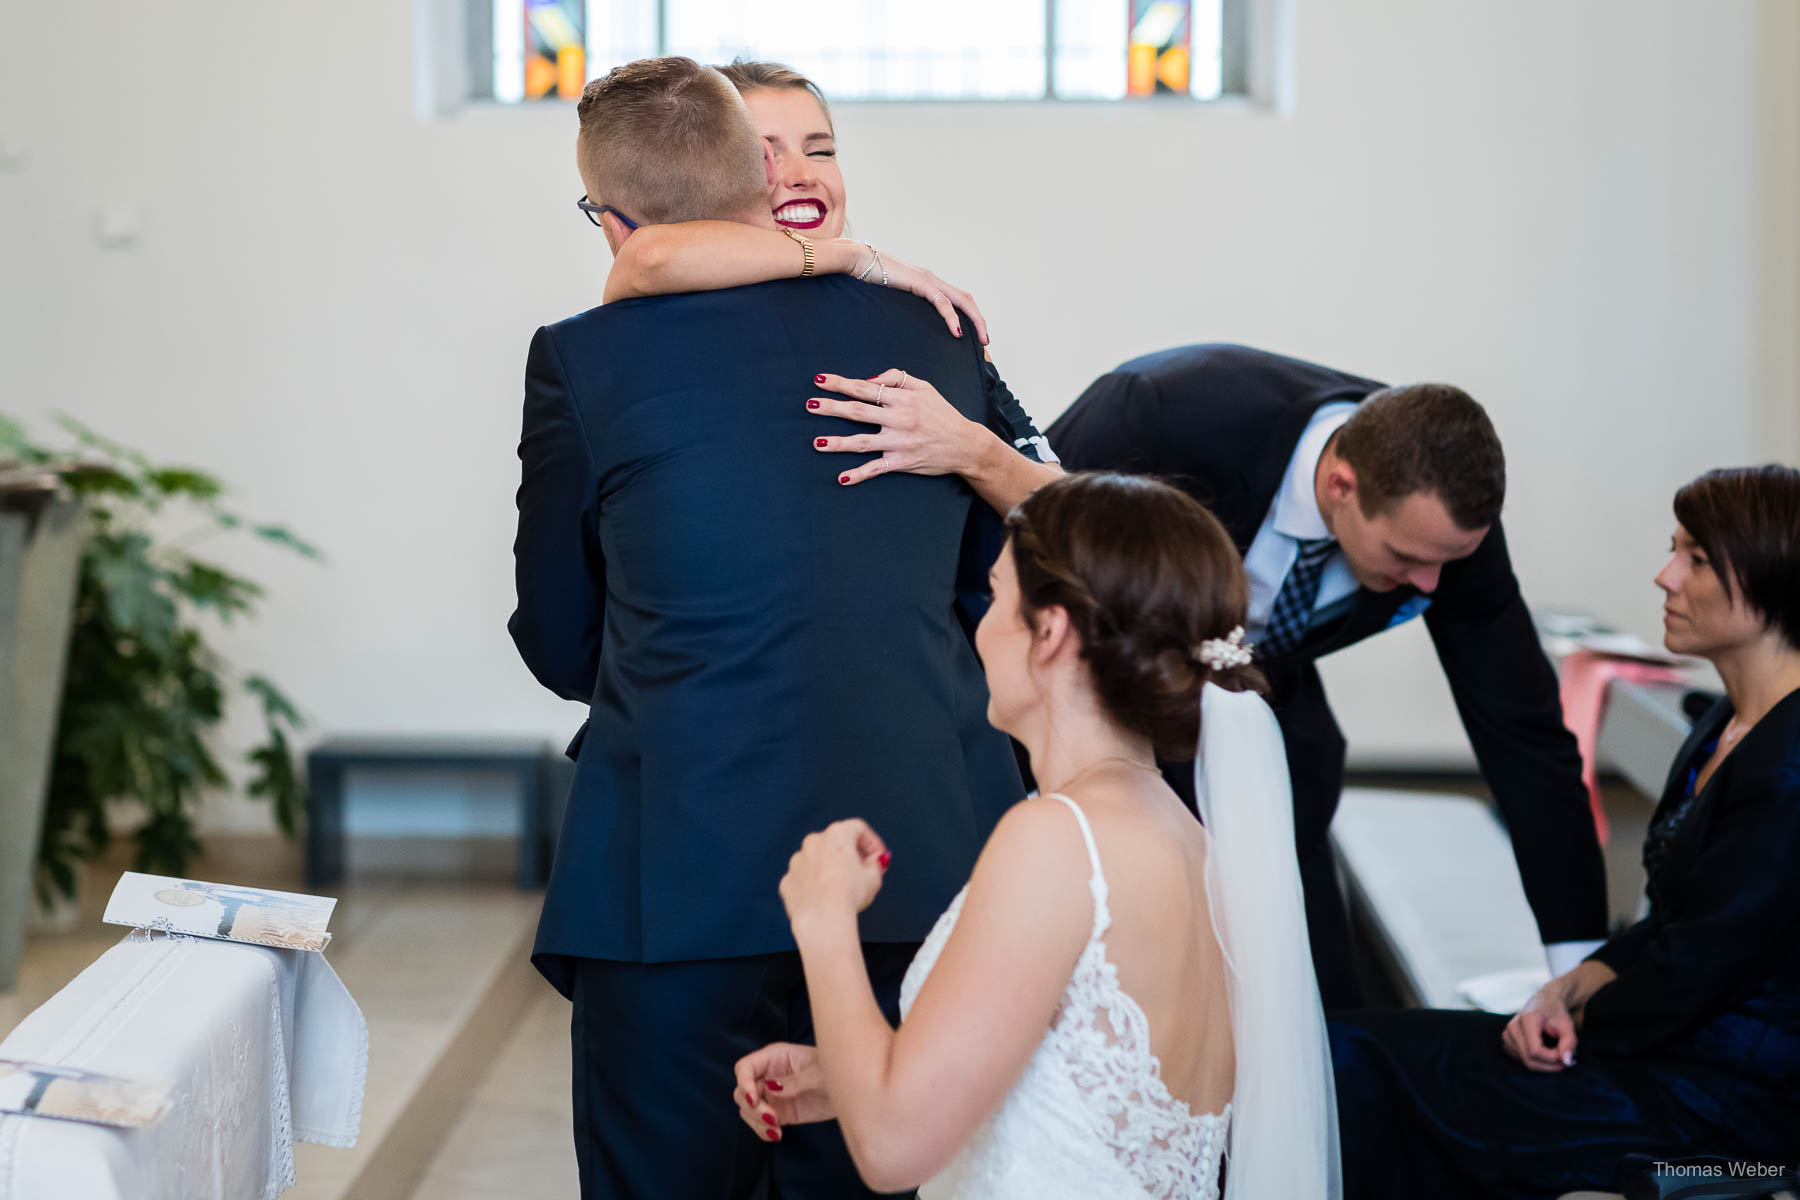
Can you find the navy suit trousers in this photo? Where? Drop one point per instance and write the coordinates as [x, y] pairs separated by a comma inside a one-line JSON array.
[[654, 1048]]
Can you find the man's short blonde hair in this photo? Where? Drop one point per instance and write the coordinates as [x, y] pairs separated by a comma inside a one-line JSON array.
[[665, 140]]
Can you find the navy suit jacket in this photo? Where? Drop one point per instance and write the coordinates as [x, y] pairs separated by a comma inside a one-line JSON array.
[[763, 651], [1221, 422]]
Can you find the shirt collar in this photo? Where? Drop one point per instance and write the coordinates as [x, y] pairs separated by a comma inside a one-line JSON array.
[[1297, 512]]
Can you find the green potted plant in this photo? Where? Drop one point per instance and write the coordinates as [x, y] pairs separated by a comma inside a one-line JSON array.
[[145, 696]]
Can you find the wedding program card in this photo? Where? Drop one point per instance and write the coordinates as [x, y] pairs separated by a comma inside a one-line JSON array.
[[39, 1090], [218, 910]]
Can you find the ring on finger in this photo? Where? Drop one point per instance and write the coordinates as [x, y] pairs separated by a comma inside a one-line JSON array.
[[902, 382], [878, 390]]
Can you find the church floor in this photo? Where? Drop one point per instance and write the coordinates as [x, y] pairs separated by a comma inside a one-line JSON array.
[[513, 1138]]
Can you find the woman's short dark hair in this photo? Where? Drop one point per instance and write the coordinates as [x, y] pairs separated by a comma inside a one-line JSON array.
[[1747, 519], [1146, 574]]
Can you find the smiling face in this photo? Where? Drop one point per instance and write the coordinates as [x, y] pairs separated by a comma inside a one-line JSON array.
[[1700, 615], [806, 188]]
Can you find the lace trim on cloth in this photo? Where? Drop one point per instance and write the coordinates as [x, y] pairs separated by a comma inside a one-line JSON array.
[[344, 1141]]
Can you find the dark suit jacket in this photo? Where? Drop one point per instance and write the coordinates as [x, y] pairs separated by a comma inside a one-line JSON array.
[[1724, 923], [763, 651], [1222, 422]]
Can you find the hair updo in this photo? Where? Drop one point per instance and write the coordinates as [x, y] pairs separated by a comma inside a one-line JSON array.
[[1146, 575]]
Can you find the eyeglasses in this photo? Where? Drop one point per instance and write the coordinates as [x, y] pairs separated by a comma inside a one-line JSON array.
[[593, 212]]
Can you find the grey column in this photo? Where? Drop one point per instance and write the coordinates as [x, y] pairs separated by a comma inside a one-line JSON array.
[[40, 552]]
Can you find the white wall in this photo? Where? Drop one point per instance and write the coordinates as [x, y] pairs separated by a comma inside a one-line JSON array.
[[1583, 213]]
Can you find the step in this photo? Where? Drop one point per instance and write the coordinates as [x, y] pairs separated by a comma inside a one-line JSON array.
[[443, 976]]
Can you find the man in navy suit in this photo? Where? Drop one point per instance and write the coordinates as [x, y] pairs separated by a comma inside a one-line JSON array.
[[763, 652], [1358, 508]]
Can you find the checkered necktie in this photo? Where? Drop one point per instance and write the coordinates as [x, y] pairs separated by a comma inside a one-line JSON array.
[[1292, 612]]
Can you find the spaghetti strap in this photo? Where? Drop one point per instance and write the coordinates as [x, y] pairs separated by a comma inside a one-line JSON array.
[[1097, 880]]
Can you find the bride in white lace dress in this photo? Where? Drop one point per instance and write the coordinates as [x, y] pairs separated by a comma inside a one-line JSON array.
[[1119, 1000]]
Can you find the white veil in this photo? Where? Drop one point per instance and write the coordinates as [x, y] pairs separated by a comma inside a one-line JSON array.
[[1284, 1131]]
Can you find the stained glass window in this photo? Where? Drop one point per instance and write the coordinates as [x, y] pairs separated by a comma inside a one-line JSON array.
[[877, 49]]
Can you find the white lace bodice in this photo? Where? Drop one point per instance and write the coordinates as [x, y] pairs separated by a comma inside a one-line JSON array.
[[1091, 1116]]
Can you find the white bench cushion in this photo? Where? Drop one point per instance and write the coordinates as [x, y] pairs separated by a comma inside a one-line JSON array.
[[1436, 875]]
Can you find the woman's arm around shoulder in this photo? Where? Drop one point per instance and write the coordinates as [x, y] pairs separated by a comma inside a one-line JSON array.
[[704, 256], [700, 256]]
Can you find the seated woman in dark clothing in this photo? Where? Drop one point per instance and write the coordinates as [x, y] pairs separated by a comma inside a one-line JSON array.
[[1681, 1035]]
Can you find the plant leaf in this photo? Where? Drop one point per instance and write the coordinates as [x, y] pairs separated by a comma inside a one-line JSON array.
[[275, 705], [277, 779], [281, 537], [94, 441], [184, 481], [92, 479], [129, 582], [215, 588], [12, 435]]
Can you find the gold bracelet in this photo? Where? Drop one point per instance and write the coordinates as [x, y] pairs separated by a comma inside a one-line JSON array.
[[806, 251]]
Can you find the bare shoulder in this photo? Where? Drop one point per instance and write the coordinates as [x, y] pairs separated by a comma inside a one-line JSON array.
[[1030, 876], [1036, 836]]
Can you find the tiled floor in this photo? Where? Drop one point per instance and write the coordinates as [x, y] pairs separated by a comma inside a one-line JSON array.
[[514, 1137], [424, 964]]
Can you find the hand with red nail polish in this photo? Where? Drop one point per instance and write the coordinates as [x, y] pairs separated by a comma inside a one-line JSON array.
[[781, 1084], [836, 872], [917, 431]]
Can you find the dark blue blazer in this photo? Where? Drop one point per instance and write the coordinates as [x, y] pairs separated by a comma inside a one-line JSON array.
[[763, 651]]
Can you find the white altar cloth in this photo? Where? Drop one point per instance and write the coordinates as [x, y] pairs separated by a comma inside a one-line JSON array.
[[260, 1046]]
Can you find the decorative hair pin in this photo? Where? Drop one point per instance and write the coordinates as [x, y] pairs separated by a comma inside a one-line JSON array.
[[1226, 652]]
